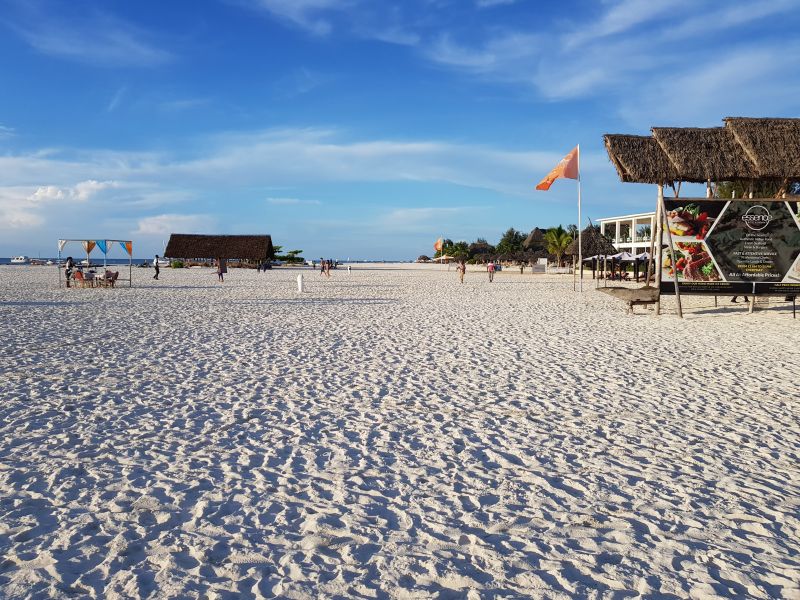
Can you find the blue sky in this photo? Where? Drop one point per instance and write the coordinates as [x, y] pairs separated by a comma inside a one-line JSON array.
[[355, 128]]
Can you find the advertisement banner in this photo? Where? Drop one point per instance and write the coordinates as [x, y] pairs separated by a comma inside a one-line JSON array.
[[740, 246]]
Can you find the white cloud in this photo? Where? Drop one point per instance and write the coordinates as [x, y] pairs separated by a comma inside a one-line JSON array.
[[503, 54], [705, 92], [90, 37], [81, 192], [5, 132], [15, 212], [624, 15], [175, 223], [47, 193], [307, 14]]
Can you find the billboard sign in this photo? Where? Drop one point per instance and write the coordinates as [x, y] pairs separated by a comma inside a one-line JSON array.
[[740, 246]]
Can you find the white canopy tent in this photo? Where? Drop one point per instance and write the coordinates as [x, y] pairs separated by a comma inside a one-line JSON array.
[[104, 246]]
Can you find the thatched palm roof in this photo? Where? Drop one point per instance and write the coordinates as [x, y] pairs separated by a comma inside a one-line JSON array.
[[702, 154], [245, 247], [534, 240], [745, 149], [772, 145], [639, 159], [592, 243]]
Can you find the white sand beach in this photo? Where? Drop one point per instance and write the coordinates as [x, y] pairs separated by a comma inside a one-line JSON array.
[[392, 434]]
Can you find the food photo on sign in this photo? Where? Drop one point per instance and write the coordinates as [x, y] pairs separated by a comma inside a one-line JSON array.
[[692, 219], [692, 263]]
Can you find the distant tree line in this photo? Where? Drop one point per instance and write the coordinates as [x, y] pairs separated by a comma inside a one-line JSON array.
[[514, 245]]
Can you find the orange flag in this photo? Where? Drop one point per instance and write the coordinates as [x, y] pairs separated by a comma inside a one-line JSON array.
[[438, 245], [567, 168]]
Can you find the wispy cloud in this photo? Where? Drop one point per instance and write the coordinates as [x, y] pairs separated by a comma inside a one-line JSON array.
[[5, 132], [141, 184], [623, 51], [96, 38], [116, 99], [623, 15], [753, 68], [310, 15]]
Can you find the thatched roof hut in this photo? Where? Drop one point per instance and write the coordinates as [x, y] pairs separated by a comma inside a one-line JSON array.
[[703, 154], [243, 247], [535, 240], [592, 243], [772, 145], [745, 149], [639, 159]]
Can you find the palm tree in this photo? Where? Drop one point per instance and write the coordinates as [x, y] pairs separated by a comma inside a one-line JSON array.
[[572, 230], [556, 241]]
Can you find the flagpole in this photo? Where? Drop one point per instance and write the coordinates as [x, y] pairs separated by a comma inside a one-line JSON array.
[[580, 246]]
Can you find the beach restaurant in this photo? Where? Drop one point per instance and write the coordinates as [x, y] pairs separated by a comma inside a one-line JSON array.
[[720, 246]]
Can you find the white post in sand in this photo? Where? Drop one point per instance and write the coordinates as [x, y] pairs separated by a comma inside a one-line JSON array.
[[300, 283], [580, 239]]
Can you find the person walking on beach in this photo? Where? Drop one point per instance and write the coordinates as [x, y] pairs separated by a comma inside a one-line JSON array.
[[155, 266], [68, 266], [462, 268], [490, 267], [321, 266], [222, 268], [735, 297]]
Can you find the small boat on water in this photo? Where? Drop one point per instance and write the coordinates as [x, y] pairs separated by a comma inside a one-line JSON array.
[[19, 260]]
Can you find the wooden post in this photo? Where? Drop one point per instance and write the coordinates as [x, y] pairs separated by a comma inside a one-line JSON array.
[[658, 256], [671, 249], [653, 229]]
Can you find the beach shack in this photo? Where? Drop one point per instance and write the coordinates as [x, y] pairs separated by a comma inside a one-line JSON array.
[[720, 246], [255, 249]]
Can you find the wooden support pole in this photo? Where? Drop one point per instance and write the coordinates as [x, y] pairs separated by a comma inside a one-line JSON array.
[[658, 254], [671, 249]]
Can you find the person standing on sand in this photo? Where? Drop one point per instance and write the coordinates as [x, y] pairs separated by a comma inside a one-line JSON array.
[[155, 266], [462, 268], [321, 266], [68, 266], [222, 268], [490, 268]]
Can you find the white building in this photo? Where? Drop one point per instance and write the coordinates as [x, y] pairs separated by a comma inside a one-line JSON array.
[[629, 233]]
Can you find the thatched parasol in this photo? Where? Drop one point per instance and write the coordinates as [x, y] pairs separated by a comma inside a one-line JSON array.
[[639, 159], [772, 145], [703, 154], [593, 243], [535, 240], [243, 247]]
